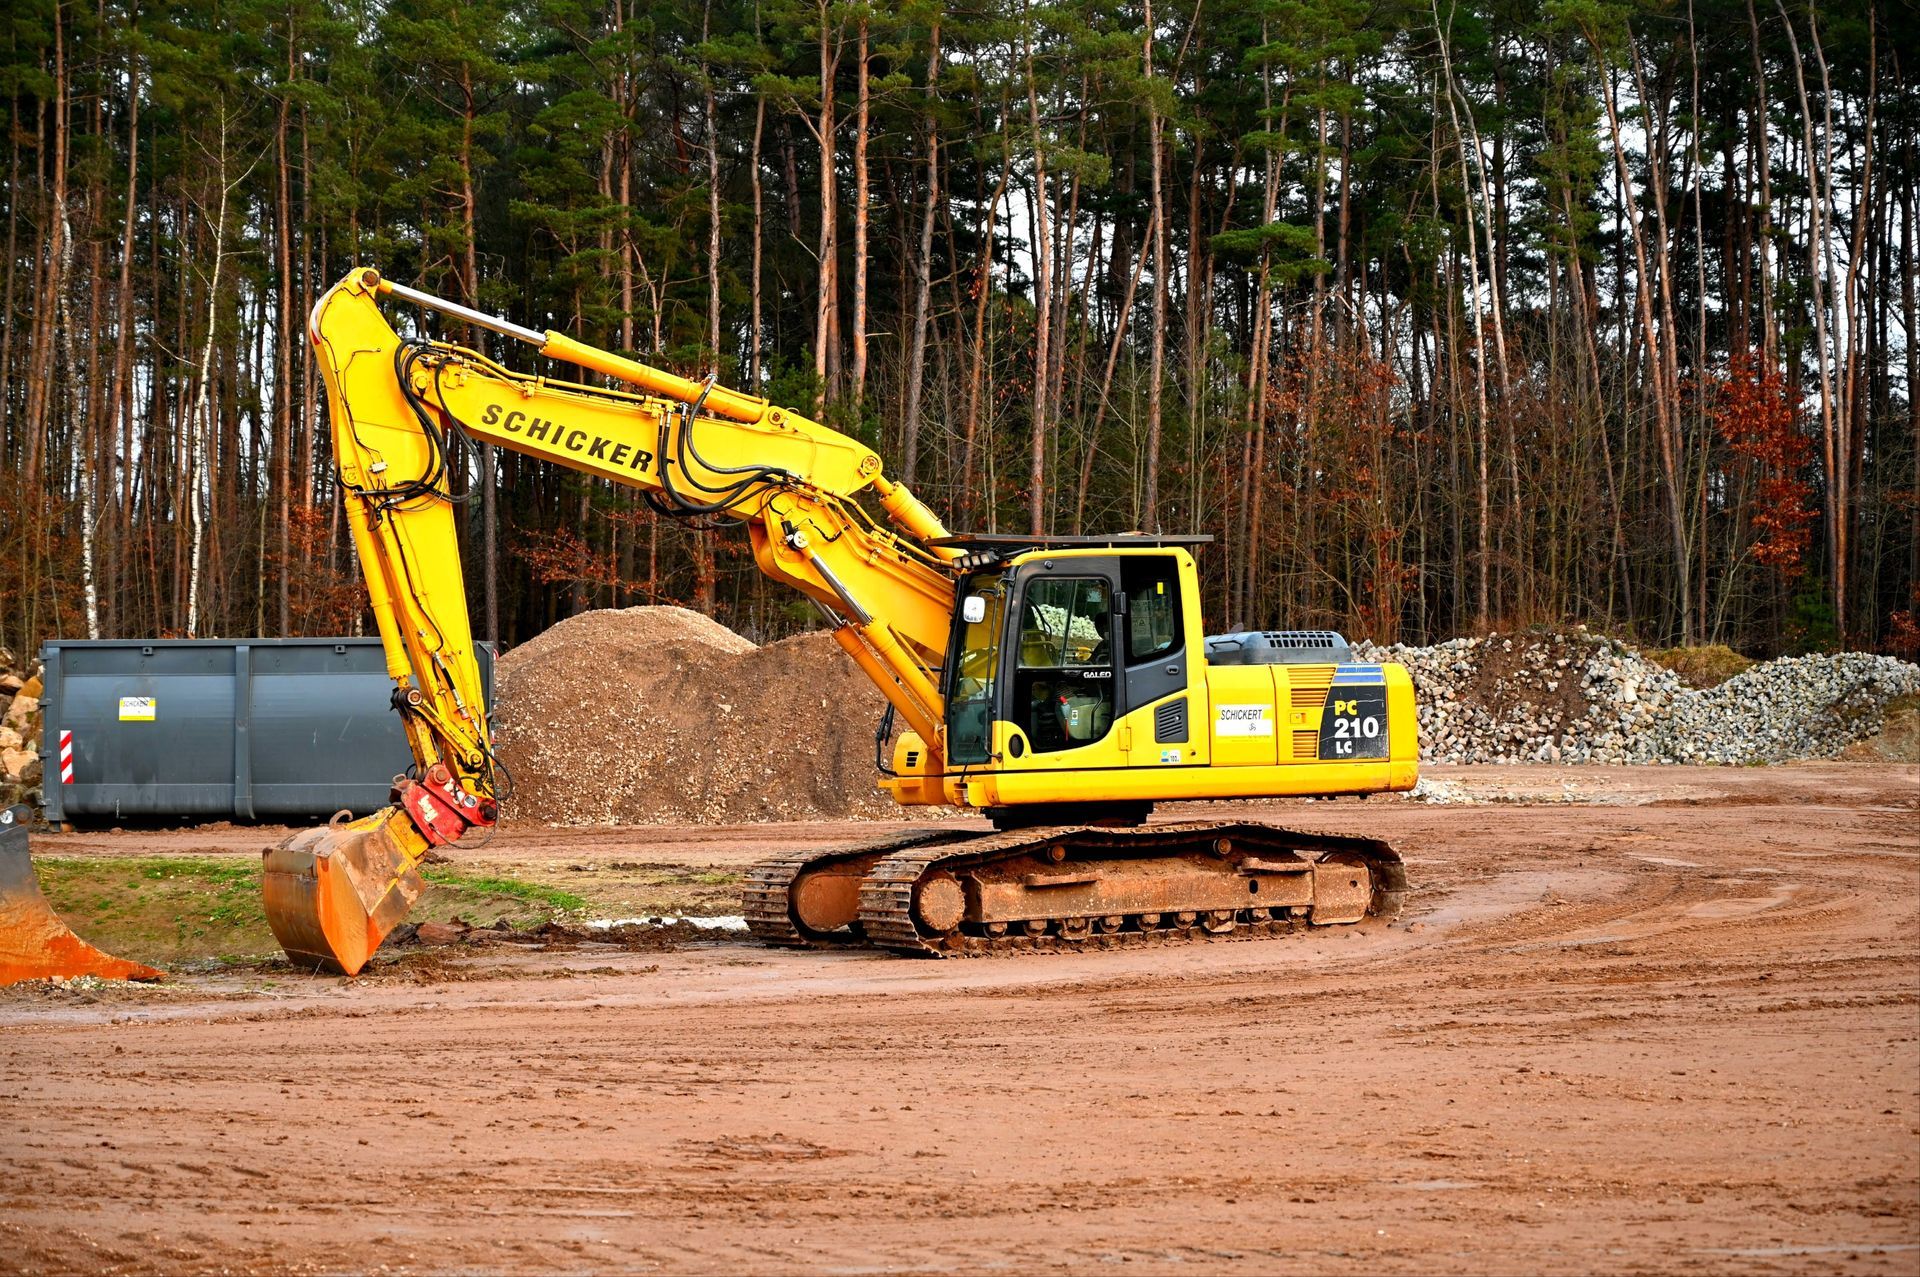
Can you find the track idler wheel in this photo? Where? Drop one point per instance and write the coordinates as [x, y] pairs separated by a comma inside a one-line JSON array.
[[940, 903]]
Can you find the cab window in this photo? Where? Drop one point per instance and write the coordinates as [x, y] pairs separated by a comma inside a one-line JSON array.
[[973, 673], [1064, 685], [1152, 585]]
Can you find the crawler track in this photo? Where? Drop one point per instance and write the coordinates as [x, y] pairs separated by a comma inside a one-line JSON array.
[[888, 893], [893, 872]]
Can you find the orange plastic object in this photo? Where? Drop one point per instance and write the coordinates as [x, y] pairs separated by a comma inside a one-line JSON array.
[[34, 943], [333, 894]]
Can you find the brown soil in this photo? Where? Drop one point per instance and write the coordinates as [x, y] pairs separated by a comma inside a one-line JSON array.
[[1620, 1038], [658, 714], [1898, 740], [1515, 677], [1706, 666]]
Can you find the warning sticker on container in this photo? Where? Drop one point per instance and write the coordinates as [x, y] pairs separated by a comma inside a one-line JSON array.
[[136, 709]]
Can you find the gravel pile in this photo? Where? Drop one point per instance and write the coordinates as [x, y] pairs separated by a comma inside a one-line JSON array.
[[1580, 698], [651, 715]]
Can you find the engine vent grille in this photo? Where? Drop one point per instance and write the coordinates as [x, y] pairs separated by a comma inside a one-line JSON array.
[[1328, 640], [1278, 647], [1170, 723], [1306, 746], [1308, 685]]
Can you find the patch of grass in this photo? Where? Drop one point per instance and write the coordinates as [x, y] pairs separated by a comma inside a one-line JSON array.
[[161, 910], [174, 911], [531, 892], [627, 888], [1707, 666]]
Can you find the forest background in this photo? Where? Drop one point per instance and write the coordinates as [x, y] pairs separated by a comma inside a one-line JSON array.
[[1438, 317]]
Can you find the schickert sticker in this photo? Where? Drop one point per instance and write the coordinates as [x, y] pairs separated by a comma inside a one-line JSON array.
[[1243, 720]]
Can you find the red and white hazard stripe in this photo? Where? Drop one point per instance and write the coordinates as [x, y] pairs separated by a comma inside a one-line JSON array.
[[66, 758]]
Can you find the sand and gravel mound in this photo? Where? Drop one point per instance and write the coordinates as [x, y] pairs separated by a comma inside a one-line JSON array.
[[651, 715]]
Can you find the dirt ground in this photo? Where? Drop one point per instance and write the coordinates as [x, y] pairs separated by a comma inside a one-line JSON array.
[[1660, 1020]]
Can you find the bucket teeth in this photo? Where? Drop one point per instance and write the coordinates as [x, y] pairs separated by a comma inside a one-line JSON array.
[[333, 894], [34, 943]]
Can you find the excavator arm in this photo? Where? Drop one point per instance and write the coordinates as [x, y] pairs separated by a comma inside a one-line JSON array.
[[404, 410]]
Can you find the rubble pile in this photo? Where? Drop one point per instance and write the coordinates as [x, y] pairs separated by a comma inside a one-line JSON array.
[[1580, 698], [21, 771]]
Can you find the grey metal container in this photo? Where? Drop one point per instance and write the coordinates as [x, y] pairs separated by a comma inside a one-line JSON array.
[[240, 729]]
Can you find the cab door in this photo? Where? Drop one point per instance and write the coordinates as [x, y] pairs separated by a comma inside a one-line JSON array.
[[1156, 664], [1063, 685]]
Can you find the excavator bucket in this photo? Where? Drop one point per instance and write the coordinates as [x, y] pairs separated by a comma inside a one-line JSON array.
[[34, 943], [332, 894]]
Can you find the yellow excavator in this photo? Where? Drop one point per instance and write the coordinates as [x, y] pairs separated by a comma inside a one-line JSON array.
[[1060, 686]]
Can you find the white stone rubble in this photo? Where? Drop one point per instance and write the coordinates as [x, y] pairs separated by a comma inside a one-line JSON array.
[[1580, 698]]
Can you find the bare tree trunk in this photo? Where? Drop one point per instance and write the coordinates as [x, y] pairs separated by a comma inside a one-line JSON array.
[[983, 289], [713, 208], [17, 190], [1482, 600], [1666, 359], [923, 272], [200, 423], [470, 281], [623, 99], [1150, 500], [1762, 160], [1701, 625], [123, 331], [89, 481], [1043, 304], [1910, 309], [862, 196], [753, 167], [309, 413], [1241, 583], [1849, 418], [704, 576], [40, 362], [1198, 306], [282, 487], [1818, 195], [1461, 107], [827, 312]]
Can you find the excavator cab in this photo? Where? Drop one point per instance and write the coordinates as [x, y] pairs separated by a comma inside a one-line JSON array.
[[1081, 686], [1055, 649]]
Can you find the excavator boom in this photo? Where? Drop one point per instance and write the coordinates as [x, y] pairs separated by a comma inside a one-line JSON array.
[[403, 412]]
